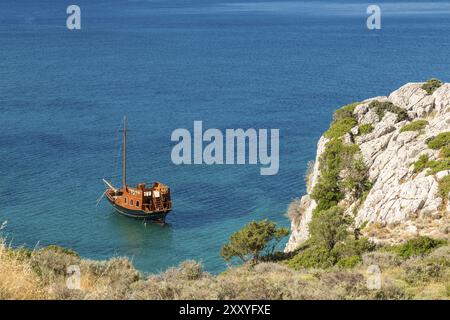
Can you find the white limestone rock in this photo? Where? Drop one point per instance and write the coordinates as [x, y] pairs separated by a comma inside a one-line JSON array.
[[401, 203]]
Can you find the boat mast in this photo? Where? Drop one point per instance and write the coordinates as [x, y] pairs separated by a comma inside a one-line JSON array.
[[124, 153]]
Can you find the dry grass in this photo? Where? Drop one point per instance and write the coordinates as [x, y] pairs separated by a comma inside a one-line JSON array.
[[295, 210], [41, 274], [17, 278]]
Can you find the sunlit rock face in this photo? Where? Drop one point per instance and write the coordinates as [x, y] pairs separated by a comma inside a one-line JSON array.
[[402, 203]]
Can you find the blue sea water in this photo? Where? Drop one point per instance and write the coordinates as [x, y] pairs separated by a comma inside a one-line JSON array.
[[164, 64]]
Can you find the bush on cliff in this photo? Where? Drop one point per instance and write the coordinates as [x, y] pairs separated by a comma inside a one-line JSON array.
[[440, 141], [342, 171], [312, 256], [328, 190], [253, 240], [445, 152], [328, 227], [365, 129], [382, 107], [421, 164], [414, 126], [343, 122], [431, 85], [434, 166], [438, 165], [345, 112], [341, 127], [444, 188], [356, 181], [330, 243]]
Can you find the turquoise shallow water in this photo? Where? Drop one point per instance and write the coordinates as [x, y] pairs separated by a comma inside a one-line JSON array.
[[165, 64]]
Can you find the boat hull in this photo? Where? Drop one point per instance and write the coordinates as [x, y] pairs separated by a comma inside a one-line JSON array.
[[139, 214]]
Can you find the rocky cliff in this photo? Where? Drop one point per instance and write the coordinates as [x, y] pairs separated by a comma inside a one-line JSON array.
[[395, 180]]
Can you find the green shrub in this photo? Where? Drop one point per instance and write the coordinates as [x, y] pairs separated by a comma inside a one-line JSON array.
[[435, 166], [416, 247], [316, 253], [365, 129], [445, 152], [414, 126], [441, 140], [438, 165], [444, 187], [253, 240], [353, 247], [431, 85], [328, 227], [312, 257], [382, 107], [339, 128], [328, 190], [343, 121], [349, 262], [421, 164], [345, 112], [356, 182], [349, 252]]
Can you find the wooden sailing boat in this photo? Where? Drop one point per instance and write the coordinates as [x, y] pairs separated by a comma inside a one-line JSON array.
[[140, 202]]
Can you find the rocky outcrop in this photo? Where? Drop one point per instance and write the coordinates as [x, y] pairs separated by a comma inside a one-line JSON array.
[[402, 203]]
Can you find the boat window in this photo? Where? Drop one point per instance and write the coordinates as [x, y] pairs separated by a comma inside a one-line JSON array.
[[137, 203], [131, 202], [125, 200]]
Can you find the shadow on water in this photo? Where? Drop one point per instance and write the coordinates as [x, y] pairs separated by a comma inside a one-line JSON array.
[[139, 236]]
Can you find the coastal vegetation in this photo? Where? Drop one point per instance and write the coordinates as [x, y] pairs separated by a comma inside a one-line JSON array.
[[442, 143], [414, 126], [343, 122], [365, 129], [381, 108], [342, 169], [343, 174], [422, 163], [335, 262], [253, 241], [434, 166], [444, 188], [416, 247], [431, 85], [418, 269]]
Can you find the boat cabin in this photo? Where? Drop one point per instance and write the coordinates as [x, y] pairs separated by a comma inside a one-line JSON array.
[[154, 199]]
